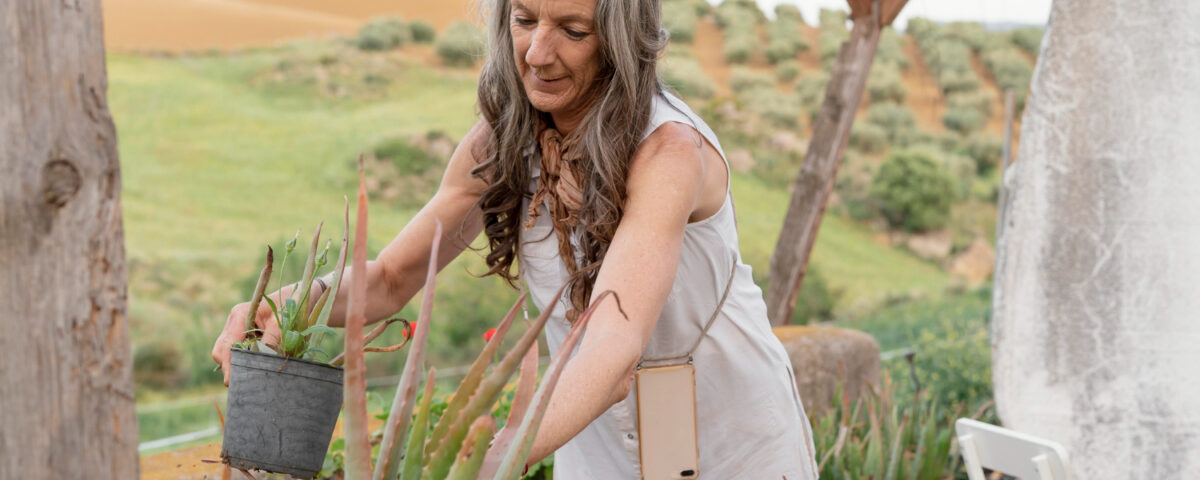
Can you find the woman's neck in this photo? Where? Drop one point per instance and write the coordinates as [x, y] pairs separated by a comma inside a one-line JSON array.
[[567, 122]]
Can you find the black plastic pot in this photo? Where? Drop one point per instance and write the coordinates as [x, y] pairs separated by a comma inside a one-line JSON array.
[[280, 413]]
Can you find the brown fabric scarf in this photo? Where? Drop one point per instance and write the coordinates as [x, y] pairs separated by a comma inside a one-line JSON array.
[[561, 187]]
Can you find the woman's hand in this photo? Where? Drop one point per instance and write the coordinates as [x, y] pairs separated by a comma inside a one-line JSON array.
[[235, 331]]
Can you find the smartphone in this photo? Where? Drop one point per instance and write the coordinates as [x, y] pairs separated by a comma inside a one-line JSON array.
[[666, 403]]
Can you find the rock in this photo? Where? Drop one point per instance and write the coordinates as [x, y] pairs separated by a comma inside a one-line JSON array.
[[975, 263], [933, 245], [824, 356], [740, 160]]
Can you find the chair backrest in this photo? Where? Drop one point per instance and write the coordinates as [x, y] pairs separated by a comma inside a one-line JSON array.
[[1011, 452]]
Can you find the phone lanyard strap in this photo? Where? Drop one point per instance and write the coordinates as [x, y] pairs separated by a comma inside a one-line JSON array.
[[703, 333]]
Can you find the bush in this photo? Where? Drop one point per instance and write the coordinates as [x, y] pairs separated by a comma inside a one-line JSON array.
[[742, 79], [680, 21], [868, 137], [1009, 68], [738, 47], [891, 50], [815, 301], [460, 45], [687, 78], [958, 81], [913, 192], [979, 100], [972, 34], [422, 31], [984, 150], [1029, 39], [777, 108], [810, 91], [787, 71], [159, 365], [897, 121], [963, 120], [383, 34], [790, 13], [739, 15], [785, 40], [780, 50], [408, 159], [886, 85]]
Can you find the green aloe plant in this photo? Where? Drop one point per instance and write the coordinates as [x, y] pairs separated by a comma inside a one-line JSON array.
[[463, 444]]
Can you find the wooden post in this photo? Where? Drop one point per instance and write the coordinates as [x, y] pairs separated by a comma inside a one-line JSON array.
[[831, 133], [66, 379]]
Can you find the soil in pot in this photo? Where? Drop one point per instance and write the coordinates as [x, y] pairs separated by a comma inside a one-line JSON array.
[[280, 414]]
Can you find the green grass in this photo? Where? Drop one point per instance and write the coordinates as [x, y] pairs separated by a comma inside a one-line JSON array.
[[223, 153]]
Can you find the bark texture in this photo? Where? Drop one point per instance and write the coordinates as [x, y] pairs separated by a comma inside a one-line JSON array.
[[1094, 319], [67, 399]]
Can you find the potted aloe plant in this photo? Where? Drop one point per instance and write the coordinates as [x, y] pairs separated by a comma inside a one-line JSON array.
[[463, 444]]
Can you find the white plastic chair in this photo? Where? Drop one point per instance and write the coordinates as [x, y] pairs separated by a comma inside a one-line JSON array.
[[1013, 453]]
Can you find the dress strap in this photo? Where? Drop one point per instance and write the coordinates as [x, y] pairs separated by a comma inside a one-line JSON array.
[[703, 333]]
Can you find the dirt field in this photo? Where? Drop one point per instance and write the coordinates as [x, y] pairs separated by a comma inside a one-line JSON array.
[[188, 25]]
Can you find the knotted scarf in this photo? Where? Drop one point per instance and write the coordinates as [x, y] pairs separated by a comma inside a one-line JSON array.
[[561, 187]]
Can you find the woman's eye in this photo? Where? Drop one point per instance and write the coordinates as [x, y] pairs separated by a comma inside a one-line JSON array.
[[525, 22], [575, 34]]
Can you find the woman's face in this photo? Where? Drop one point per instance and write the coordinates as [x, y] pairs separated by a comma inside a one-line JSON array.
[[557, 53]]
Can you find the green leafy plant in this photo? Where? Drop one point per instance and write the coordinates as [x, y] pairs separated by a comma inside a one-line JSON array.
[[460, 45], [913, 191]]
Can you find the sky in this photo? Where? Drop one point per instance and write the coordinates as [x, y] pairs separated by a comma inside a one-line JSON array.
[[987, 11]]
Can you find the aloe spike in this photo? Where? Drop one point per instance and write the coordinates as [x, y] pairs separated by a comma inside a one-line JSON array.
[[306, 280], [327, 308], [260, 289], [526, 387], [371, 336], [474, 376], [474, 449], [390, 448], [514, 460], [415, 451], [358, 449], [486, 395]]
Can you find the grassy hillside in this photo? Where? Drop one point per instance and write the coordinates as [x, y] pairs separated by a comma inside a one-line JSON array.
[[224, 153]]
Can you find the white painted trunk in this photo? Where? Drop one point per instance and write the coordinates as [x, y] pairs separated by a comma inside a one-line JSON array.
[[1097, 302]]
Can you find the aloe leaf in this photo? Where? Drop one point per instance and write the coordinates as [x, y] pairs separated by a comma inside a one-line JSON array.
[[317, 328], [486, 395], [358, 449], [514, 460], [473, 450], [526, 387], [374, 333], [390, 449], [415, 451], [316, 311], [323, 318], [259, 290], [306, 280], [474, 376]]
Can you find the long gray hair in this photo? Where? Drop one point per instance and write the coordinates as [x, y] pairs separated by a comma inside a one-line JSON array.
[[631, 39]]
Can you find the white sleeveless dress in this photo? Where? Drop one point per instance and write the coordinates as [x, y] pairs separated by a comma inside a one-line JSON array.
[[751, 422]]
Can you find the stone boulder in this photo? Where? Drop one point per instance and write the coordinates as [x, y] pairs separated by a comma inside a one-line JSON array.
[[824, 356]]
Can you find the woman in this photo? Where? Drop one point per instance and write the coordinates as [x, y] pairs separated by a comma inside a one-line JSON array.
[[584, 170]]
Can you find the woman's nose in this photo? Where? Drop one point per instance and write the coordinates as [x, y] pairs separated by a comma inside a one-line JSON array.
[[541, 48]]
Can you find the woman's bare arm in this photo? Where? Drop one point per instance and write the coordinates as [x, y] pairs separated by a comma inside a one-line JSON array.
[[665, 186], [399, 270]]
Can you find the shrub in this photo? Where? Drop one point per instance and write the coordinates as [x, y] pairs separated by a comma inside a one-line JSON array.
[[784, 40], [159, 365], [680, 21], [780, 50], [787, 71], [738, 47], [979, 100], [868, 137], [913, 192], [777, 108], [984, 150], [460, 45], [828, 17], [383, 34], [739, 15], [886, 85], [742, 79], [1028, 39], [1009, 68], [790, 13], [897, 121], [891, 50], [810, 91], [963, 120], [687, 78], [422, 31], [971, 34], [958, 81], [408, 159], [815, 301]]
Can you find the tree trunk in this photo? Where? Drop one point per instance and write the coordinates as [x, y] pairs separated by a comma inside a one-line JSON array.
[[67, 399], [831, 132]]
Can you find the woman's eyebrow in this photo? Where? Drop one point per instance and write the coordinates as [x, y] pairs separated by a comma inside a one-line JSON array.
[[574, 17]]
